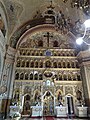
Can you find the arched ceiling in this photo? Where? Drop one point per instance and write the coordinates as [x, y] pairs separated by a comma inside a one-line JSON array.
[[21, 11]]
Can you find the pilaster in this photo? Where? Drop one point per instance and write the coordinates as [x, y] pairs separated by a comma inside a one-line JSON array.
[[84, 60], [7, 79]]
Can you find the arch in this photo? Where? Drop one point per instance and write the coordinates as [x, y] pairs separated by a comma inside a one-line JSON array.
[[26, 76], [36, 64], [18, 63], [21, 76], [59, 64], [60, 76], [69, 77], [69, 94], [16, 75], [40, 76], [55, 64], [36, 76], [27, 63], [32, 30], [27, 96], [68, 64], [31, 76], [31, 64], [41, 64], [65, 76], [23, 63]]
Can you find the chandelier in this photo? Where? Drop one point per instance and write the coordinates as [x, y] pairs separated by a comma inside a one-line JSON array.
[[82, 4], [85, 37]]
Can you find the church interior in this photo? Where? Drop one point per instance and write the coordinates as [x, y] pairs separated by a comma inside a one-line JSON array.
[[44, 58]]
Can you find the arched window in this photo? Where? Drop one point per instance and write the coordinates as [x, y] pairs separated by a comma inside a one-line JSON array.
[[77, 65], [17, 76], [26, 76], [27, 63], [32, 64], [69, 77], [41, 54], [40, 43], [23, 63], [36, 64], [32, 53], [78, 77], [18, 63], [41, 64], [23, 52], [40, 77], [55, 77], [37, 54], [27, 97], [36, 76], [55, 43], [74, 77], [54, 54], [72, 64], [31, 76], [65, 77], [21, 76], [60, 76], [59, 65], [28, 52], [68, 65], [64, 65], [55, 64]]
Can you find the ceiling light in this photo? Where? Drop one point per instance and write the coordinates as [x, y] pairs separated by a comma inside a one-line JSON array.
[[79, 41]]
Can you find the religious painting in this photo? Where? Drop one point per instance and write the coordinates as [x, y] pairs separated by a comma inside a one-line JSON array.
[[40, 43], [37, 96], [48, 64], [26, 106], [55, 43]]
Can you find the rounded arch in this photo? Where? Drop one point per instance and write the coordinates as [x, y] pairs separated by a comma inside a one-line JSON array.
[[27, 96], [69, 94], [32, 30]]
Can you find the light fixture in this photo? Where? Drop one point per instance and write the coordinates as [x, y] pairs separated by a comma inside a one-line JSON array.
[[87, 23], [86, 36], [79, 41], [82, 4]]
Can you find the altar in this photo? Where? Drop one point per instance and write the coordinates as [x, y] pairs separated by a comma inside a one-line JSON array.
[[36, 111], [61, 111], [15, 111], [81, 111]]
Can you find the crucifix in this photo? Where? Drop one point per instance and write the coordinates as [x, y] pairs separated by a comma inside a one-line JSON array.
[[48, 36]]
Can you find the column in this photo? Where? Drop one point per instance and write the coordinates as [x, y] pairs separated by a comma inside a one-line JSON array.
[[7, 79], [84, 59]]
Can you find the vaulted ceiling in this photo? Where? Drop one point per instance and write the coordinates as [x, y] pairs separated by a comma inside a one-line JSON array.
[[20, 11]]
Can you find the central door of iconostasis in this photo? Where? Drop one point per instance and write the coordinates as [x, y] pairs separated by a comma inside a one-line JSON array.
[[48, 104]]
